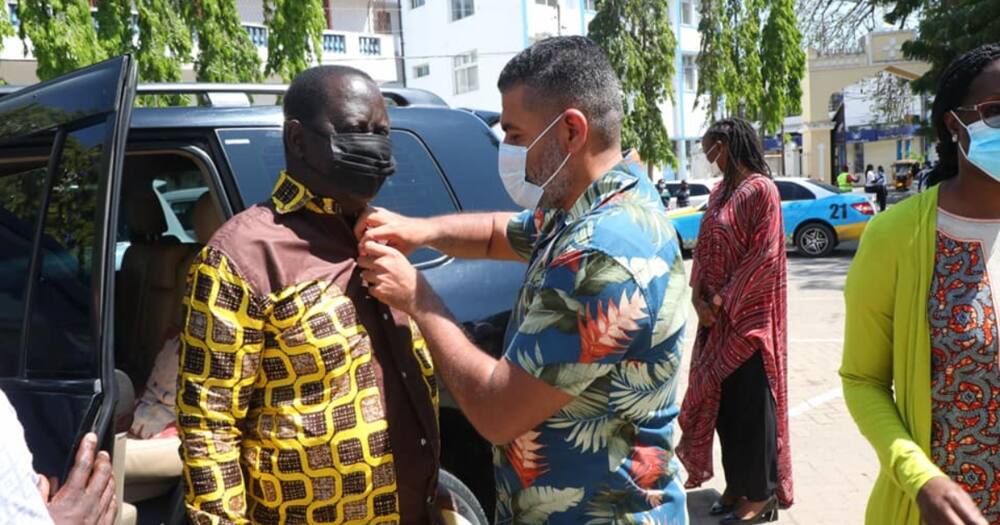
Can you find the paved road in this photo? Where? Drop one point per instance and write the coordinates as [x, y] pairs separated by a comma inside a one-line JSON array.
[[833, 466]]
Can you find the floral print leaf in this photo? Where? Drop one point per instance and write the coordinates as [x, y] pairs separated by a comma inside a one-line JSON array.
[[674, 308], [550, 307], [573, 378], [536, 504], [641, 390], [607, 331], [657, 225], [587, 417], [621, 437], [524, 454], [647, 465], [645, 270], [597, 272]]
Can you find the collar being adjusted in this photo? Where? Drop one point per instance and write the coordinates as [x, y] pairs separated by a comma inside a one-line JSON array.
[[290, 195]]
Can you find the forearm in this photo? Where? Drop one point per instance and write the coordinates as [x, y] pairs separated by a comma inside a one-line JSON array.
[[471, 235]]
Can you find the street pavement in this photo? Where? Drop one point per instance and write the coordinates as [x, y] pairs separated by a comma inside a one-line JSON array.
[[833, 466]]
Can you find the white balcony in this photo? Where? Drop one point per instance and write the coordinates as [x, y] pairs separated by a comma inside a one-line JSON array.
[[369, 52]]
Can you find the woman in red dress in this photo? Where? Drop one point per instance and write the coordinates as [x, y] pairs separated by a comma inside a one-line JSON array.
[[738, 381]]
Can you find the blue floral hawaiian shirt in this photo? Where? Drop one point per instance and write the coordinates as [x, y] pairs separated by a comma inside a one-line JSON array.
[[601, 317]]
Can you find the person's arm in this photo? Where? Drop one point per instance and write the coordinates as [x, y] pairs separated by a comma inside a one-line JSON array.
[[220, 346], [581, 320], [867, 375], [462, 235]]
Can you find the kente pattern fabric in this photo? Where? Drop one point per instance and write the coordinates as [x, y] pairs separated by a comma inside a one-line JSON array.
[[601, 317], [740, 255], [965, 377], [285, 371]]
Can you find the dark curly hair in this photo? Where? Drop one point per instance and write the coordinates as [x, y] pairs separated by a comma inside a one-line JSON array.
[[952, 89]]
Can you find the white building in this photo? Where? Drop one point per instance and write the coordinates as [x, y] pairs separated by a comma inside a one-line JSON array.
[[360, 33], [457, 48]]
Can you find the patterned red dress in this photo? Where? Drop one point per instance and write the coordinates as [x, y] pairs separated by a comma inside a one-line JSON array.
[[740, 256]]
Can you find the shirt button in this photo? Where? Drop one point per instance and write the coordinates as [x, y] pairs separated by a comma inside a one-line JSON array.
[[404, 374], [430, 499], [423, 442], [385, 317]]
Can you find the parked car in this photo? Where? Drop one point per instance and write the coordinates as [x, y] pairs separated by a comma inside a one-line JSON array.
[[699, 189], [817, 217], [83, 175]]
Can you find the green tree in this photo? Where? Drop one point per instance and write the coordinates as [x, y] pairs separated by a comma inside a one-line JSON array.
[[640, 42], [62, 35], [226, 53], [751, 61], [945, 31], [295, 36]]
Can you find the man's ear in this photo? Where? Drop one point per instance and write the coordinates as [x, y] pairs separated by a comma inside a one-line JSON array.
[[578, 128], [293, 138]]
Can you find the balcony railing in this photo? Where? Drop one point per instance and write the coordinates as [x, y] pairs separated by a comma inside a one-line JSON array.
[[334, 43], [258, 34], [370, 45]]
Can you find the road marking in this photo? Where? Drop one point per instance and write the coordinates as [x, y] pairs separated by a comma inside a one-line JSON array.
[[815, 401]]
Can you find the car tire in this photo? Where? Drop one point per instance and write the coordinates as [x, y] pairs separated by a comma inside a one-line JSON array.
[[815, 240], [468, 506]]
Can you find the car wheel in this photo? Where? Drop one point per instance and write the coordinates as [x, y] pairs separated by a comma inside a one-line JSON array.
[[815, 240], [467, 506]]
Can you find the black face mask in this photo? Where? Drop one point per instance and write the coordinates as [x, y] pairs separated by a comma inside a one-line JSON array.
[[360, 163]]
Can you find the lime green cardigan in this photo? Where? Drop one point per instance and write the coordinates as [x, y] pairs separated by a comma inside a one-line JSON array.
[[887, 350]]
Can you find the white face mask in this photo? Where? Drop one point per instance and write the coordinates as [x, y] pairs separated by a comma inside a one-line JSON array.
[[714, 164], [512, 162]]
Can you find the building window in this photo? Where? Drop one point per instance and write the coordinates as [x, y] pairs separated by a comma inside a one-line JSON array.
[[258, 35], [422, 70], [416, 3], [466, 73], [383, 22], [12, 15], [591, 5], [333, 43], [461, 9], [690, 65], [689, 12]]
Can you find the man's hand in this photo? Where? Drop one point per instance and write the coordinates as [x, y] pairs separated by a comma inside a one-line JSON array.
[[88, 497], [405, 234], [943, 502], [390, 276]]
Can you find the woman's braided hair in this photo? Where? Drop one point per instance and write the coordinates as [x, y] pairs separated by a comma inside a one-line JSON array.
[[952, 89], [744, 149]]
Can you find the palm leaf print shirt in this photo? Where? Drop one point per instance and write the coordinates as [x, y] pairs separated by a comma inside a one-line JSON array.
[[600, 317], [301, 399]]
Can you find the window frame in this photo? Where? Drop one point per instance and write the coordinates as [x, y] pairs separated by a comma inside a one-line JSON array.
[[689, 59], [425, 67], [462, 9], [465, 68], [798, 188], [695, 7]]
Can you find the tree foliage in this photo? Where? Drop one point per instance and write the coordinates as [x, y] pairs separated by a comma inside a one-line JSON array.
[[640, 42], [295, 36], [945, 31], [225, 52], [751, 61], [62, 35]]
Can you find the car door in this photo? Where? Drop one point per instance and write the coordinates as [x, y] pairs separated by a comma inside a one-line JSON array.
[[796, 202], [61, 149]]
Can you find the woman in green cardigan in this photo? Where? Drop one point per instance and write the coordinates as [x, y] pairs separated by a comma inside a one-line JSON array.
[[921, 368]]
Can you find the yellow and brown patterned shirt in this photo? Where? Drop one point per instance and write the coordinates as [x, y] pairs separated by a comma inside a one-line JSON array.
[[300, 398]]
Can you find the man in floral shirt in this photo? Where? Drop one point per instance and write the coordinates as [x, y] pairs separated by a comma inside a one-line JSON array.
[[582, 404]]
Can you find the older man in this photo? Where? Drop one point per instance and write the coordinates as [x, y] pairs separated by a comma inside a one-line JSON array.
[[581, 405], [302, 398]]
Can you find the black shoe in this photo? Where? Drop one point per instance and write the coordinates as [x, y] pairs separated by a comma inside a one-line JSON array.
[[767, 514], [719, 508]]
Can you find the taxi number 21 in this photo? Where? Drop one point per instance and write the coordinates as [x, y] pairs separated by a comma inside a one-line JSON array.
[[838, 211]]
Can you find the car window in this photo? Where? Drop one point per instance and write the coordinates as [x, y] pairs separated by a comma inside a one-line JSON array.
[[791, 191], [417, 189], [672, 188], [828, 187], [697, 190], [60, 342], [22, 185]]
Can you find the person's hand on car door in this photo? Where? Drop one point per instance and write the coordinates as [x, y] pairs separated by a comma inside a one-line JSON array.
[[88, 497], [405, 234]]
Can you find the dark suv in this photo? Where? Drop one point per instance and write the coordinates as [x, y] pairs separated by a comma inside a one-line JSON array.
[[98, 219]]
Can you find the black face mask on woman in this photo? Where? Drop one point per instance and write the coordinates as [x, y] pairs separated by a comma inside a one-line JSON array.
[[360, 163]]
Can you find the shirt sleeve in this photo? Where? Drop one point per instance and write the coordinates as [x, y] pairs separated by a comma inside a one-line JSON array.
[[20, 501], [522, 232], [221, 346], [586, 315]]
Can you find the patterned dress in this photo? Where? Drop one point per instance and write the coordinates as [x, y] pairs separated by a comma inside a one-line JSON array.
[[600, 317], [301, 399], [965, 376], [740, 256]]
